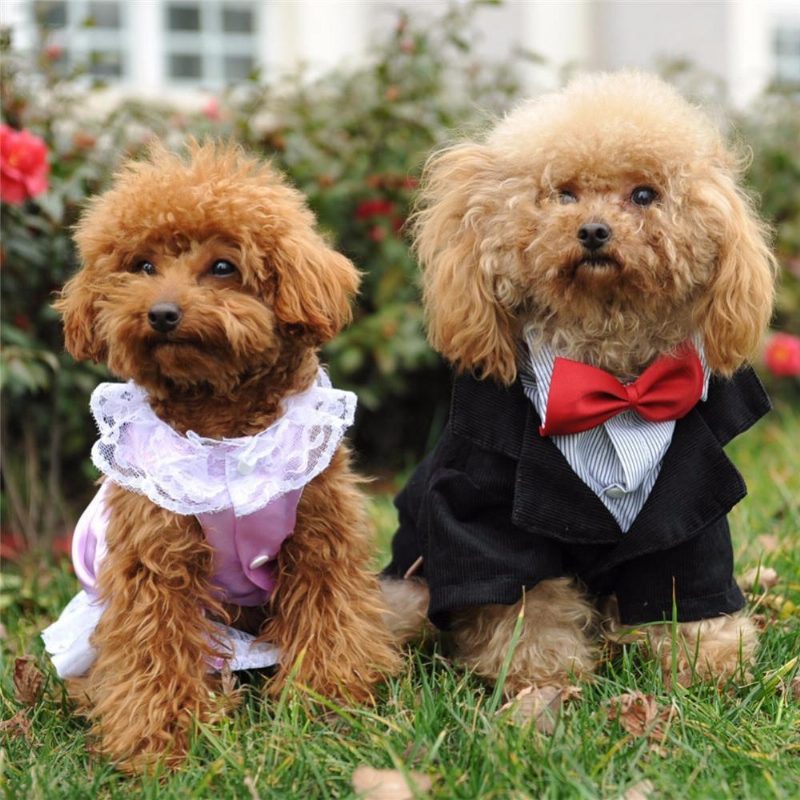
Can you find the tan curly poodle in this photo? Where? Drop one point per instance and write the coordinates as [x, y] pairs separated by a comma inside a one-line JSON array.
[[601, 224], [205, 283]]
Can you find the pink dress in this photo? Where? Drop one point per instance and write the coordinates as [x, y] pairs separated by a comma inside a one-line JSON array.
[[244, 492]]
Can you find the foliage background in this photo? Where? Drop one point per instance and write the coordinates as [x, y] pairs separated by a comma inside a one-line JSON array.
[[354, 141]]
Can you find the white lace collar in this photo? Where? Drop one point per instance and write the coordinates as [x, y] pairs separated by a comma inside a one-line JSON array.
[[193, 474]]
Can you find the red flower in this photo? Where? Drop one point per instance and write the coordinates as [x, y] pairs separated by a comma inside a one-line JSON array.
[[782, 355], [12, 545], [62, 546], [211, 110], [23, 165], [54, 52], [374, 208]]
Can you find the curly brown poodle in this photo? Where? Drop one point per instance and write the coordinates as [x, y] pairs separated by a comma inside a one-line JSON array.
[[205, 283], [605, 222]]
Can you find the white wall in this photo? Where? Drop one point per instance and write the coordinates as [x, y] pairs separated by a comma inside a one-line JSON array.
[[728, 38]]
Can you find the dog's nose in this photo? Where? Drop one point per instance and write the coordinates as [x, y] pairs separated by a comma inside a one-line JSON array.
[[593, 235], [164, 317]]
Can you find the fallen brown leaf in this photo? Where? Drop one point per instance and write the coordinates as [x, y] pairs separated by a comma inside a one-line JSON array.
[[540, 705], [635, 712], [761, 621], [763, 577], [28, 680], [389, 784], [639, 714], [18, 725], [227, 683], [639, 791], [794, 688], [571, 692]]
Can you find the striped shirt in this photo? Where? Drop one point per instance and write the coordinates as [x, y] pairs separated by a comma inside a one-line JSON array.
[[618, 460]]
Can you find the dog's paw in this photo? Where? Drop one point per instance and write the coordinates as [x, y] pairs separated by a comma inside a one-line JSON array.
[[711, 650]]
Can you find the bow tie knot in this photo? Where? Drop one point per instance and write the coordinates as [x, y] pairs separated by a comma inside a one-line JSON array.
[[582, 397]]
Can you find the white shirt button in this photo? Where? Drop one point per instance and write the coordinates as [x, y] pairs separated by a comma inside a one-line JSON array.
[[615, 492], [259, 561]]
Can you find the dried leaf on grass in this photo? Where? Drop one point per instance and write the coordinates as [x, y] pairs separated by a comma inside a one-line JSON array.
[[18, 725], [635, 712], [769, 542], [227, 683], [230, 694], [28, 680], [640, 715], [794, 688], [389, 784], [763, 577], [761, 621], [639, 791], [540, 705]]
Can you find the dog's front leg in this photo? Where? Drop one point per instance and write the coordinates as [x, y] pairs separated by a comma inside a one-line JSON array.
[[326, 608], [153, 641]]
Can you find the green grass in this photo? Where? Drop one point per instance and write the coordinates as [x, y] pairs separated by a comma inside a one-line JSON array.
[[741, 742]]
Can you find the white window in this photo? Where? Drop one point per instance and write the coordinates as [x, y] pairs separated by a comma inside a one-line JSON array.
[[786, 49], [210, 42], [90, 33]]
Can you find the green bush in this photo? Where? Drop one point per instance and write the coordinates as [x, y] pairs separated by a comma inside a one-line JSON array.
[[354, 141], [771, 128]]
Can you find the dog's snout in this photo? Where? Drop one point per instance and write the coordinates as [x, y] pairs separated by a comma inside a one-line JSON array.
[[164, 317], [593, 235]]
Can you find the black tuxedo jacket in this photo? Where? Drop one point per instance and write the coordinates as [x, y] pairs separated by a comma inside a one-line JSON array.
[[495, 508]]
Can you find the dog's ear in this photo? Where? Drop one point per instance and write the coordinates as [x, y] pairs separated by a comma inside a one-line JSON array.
[[467, 324], [77, 304], [738, 306], [315, 285]]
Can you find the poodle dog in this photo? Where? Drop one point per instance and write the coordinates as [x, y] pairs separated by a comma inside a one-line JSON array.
[[598, 280], [228, 497]]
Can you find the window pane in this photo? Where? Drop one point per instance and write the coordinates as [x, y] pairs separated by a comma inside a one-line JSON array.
[[105, 63], [237, 68], [50, 14], [185, 65], [786, 46], [104, 15], [183, 17], [237, 20]]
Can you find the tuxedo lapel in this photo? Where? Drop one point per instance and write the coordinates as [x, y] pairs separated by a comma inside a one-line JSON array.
[[697, 483], [550, 499]]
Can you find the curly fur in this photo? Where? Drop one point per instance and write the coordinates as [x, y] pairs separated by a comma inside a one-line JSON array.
[[499, 252], [553, 646], [245, 342], [714, 650]]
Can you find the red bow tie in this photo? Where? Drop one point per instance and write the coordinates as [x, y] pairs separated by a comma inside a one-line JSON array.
[[582, 397]]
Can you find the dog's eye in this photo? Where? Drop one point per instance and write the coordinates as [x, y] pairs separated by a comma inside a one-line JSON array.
[[145, 266], [222, 269], [643, 196], [565, 196]]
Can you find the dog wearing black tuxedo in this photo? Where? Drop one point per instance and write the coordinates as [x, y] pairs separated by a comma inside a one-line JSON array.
[[598, 279]]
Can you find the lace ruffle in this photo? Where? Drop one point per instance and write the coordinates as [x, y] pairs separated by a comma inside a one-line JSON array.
[[68, 641], [192, 474]]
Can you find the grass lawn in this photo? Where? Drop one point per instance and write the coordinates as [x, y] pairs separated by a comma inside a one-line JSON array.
[[740, 742]]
